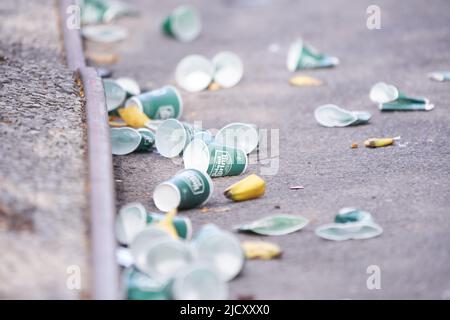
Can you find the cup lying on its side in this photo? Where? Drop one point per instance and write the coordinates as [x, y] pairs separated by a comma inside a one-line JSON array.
[[188, 189], [183, 23], [159, 104], [214, 159], [126, 140]]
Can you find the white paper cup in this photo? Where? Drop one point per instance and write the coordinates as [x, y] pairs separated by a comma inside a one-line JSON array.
[[228, 69], [194, 73]]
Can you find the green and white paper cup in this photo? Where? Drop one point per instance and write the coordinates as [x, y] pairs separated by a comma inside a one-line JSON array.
[[228, 69], [189, 188], [238, 135], [124, 140], [140, 286], [194, 73], [160, 104], [172, 136], [115, 95], [303, 56], [221, 250], [183, 23], [214, 159], [389, 98], [182, 225]]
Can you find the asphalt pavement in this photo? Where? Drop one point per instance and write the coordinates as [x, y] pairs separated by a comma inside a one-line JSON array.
[[405, 186]]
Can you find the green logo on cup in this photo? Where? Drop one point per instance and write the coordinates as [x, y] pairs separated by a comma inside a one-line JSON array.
[[163, 103], [216, 160], [187, 189]]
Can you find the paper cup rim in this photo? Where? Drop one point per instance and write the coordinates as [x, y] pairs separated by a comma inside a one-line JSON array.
[[188, 152], [251, 126], [376, 87], [156, 198], [127, 129], [183, 64], [177, 32], [158, 145], [236, 62], [122, 90]]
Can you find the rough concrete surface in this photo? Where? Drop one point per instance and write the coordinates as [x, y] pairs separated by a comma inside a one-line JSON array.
[[405, 187], [43, 228]]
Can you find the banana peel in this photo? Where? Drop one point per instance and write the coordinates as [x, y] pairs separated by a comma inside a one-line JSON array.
[[304, 81], [134, 117], [380, 142], [167, 224], [261, 250], [250, 187]]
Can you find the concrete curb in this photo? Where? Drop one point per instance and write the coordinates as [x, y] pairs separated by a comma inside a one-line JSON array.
[[105, 272]]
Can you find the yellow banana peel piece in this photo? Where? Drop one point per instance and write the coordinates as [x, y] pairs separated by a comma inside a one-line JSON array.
[[304, 81], [261, 250], [214, 86], [134, 117], [250, 187], [379, 142], [167, 224]]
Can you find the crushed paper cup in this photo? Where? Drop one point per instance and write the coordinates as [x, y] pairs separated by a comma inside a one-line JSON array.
[[228, 69], [239, 135], [275, 225], [349, 231], [330, 115], [303, 56], [350, 223], [194, 73], [183, 23], [389, 98]]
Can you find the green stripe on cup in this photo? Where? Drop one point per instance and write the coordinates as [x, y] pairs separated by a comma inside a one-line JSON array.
[[183, 23], [217, 160], [187, 189], [160, 104]]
